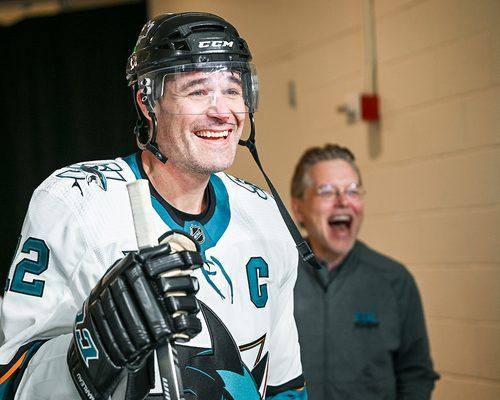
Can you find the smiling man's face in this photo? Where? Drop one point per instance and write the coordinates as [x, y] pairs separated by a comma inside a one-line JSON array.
[[200, 120], [332, 217]]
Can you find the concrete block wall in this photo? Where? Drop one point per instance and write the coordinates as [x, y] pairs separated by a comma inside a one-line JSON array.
[[432, 169]]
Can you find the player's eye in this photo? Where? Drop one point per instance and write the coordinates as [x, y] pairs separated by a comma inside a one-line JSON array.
[[232, 92], [198, 93]]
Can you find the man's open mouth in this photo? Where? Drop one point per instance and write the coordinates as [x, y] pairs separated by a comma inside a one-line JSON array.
[[340, 221]]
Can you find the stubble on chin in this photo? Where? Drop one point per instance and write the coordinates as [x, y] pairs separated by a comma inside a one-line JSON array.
[[200, 165]]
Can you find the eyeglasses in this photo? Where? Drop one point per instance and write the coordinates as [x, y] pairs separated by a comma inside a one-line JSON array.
[[329, 191]]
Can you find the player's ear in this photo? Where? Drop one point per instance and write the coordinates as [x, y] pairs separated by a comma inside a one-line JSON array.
[[142, 106], [297, 209]]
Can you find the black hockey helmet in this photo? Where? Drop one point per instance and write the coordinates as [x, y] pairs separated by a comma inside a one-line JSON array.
[[177, 43], [170, 40]]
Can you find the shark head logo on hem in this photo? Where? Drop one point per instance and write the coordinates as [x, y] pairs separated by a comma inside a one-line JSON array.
[[219, 373]]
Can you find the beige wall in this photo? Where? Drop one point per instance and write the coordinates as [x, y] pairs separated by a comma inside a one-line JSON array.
[[433, 169]]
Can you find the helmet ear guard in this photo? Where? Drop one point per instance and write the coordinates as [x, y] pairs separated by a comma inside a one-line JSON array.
[[145, 129]]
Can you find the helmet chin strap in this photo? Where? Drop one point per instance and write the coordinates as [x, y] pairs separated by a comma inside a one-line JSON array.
[[151, 145], [302, 246], [142, 128]]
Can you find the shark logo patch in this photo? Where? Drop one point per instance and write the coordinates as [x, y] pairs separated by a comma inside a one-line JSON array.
[[93, 174]]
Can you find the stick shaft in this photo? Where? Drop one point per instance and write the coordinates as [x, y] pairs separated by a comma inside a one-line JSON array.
[[142, 213]]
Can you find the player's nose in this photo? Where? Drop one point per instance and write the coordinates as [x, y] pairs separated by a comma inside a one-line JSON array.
[[219, 107]]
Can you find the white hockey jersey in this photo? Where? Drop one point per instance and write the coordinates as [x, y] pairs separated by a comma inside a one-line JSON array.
[[79, 223]]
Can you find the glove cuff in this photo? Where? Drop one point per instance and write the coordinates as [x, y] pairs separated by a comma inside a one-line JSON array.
[[93, 373], [80, 377]]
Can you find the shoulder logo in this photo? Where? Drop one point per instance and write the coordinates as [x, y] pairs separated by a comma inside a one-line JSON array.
[[93, 173], [249, 186]]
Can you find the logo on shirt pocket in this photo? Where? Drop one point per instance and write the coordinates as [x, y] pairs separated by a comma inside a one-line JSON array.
[[366, 319]]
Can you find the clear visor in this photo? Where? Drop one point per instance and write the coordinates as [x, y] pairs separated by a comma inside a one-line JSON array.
[[227, 87]]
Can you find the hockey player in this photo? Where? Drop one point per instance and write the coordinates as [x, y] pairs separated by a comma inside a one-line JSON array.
[[84, 310]]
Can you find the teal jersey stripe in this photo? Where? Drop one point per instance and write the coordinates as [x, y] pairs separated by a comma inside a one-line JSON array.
[[290, 395], [215, 227], [131, 160]]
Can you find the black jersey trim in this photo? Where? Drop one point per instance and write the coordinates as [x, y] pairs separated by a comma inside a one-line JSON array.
[[297, 383]]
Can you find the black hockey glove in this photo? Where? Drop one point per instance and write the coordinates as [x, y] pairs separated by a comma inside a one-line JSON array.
[[131, 311]]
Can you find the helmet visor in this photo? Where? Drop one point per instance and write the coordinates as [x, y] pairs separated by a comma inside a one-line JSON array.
[[221, 87]]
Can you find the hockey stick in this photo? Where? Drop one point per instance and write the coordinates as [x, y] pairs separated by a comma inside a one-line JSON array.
[[142, 213]]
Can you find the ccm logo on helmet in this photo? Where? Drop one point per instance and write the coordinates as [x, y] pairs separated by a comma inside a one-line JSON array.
[[215, 43]]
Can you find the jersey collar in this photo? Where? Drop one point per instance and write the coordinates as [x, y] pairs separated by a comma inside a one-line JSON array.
[[206, 228]]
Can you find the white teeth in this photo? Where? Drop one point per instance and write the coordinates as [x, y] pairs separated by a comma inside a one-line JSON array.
[[340, 218], [212, 134]]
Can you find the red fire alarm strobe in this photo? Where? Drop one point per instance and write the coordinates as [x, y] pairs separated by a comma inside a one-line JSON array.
[[370, 107]]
